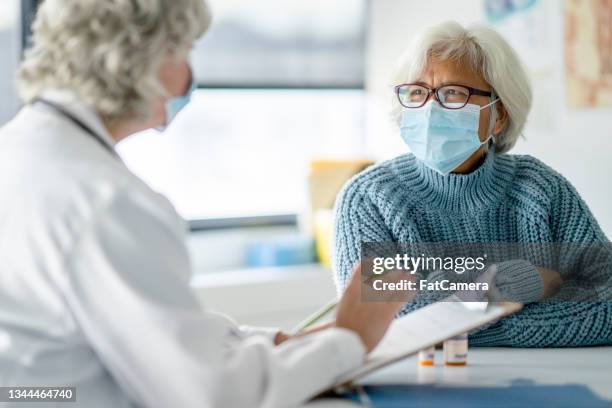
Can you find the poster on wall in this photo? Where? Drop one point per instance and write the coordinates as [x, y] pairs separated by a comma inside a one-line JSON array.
[[588, 53], [525, 24]]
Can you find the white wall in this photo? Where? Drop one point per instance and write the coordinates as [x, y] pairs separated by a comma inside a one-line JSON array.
[[578, 143], [10, 47]]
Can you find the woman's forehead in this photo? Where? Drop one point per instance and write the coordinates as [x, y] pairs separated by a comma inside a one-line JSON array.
[[439, 71]]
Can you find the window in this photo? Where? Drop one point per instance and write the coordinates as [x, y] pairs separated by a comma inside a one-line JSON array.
[[283, 43], [234, 153], [281, 83]]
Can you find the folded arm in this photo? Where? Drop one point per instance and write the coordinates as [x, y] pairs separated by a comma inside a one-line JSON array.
[[580, 314]]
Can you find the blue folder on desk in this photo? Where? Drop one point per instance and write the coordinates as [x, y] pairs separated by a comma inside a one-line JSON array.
[[512, 396]]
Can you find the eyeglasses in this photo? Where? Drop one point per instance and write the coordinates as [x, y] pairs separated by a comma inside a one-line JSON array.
[[449, 96]]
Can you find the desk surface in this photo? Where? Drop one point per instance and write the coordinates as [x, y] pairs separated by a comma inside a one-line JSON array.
[[590, 366]]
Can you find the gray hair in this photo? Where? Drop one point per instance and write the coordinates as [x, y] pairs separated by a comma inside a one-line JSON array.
[[488, 54], [108, 52]]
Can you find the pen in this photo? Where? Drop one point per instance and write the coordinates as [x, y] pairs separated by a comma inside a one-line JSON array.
[[315, 317]]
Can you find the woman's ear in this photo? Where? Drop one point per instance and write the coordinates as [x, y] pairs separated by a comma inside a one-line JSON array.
[[502, 119]]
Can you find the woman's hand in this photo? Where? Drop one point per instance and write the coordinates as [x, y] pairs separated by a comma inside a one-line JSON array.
[[551, 280], [281, 337], [370, 317]]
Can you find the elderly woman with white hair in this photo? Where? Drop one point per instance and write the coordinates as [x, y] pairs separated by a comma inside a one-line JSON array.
[[461, 101], [94, 289]]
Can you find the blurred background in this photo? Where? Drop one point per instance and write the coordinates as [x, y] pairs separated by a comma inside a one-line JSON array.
[[293, 99]]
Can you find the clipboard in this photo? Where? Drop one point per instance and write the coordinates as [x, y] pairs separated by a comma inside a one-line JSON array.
[[456, 314], [425, 328]]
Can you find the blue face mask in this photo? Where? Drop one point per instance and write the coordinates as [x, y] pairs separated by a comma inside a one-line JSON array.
[[442, 138], [176, 104]]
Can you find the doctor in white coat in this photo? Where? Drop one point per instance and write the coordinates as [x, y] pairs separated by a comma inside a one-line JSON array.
[[94, 277]]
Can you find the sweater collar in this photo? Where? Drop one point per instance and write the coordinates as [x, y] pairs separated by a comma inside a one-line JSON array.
[[479, 189]]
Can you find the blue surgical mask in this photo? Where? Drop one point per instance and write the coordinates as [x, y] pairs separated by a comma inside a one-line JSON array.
[[176, 104], [442, 138]]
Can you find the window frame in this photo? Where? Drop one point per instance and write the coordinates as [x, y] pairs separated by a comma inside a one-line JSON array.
[[28, 11], [256, 221]]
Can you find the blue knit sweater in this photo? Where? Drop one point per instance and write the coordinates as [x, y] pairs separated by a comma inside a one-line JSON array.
[[509, 198]]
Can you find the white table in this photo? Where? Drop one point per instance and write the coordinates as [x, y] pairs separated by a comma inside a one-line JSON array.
[[590, 366]]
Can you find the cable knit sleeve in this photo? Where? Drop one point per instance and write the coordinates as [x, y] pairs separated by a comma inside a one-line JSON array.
[[585, 263], [585, 253], [559, 324], [357, 220]]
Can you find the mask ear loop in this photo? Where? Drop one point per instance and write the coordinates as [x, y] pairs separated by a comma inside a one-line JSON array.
[[492, 118]]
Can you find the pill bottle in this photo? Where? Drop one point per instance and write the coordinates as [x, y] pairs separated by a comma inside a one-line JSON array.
[[426, 356], [455, 350]]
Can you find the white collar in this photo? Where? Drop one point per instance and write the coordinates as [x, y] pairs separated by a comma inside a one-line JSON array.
[[71, 102]]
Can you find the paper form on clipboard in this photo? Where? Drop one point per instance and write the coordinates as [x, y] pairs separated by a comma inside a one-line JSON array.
[[432, 324]]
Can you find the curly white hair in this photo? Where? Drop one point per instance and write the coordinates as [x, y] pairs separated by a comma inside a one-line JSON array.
[[108, 52]]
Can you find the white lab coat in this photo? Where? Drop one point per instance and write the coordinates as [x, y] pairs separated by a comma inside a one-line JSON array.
[[94, 287]]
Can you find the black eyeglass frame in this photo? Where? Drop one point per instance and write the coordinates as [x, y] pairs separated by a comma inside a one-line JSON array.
[[434, 91]]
